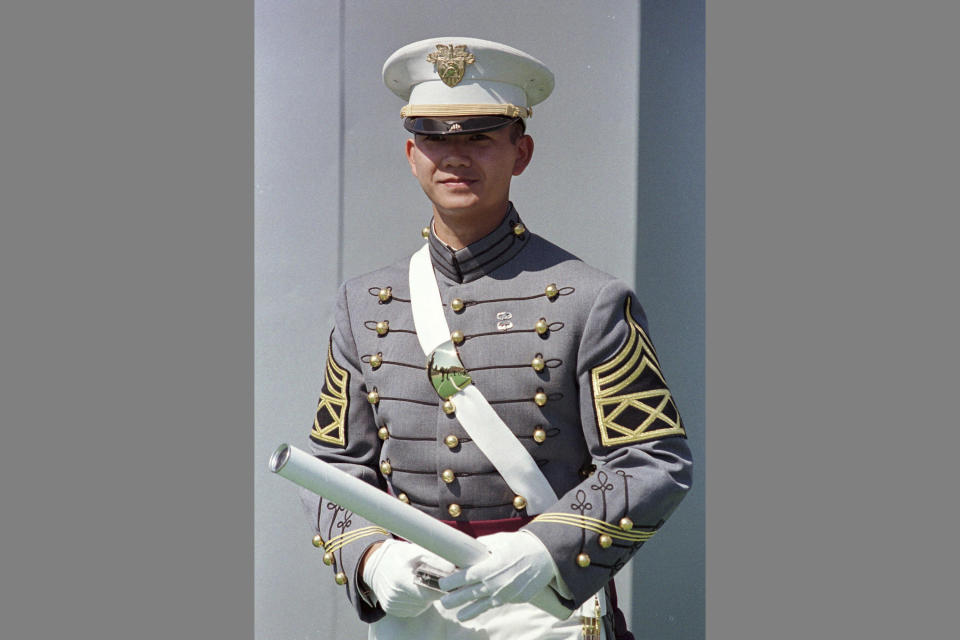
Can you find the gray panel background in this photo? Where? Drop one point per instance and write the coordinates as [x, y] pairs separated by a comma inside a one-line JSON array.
[[334, 199]]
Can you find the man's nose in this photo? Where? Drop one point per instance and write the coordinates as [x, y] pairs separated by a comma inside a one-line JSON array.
[[455, 155]]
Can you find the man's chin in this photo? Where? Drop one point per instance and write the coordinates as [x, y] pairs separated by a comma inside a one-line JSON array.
[[457, 209]]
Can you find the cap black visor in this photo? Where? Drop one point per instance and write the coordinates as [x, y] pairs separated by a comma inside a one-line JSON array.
[[453, 127]]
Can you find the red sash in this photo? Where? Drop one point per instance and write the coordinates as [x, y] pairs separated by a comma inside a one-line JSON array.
[[477, 528]]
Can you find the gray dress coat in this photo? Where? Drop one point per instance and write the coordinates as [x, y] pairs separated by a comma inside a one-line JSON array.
[[562, 353]]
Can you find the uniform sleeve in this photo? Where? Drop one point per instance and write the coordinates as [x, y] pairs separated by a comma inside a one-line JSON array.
[[344, 434], [638, 444]]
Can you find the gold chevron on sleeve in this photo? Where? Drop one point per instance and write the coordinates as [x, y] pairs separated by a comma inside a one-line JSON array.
[[338, 542], [595, 525], [630, 396], [329, 425]]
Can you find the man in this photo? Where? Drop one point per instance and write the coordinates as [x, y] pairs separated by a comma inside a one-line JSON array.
[[540, 423]]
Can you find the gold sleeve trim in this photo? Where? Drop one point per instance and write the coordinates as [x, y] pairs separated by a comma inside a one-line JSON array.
[[338, 542], [597, 526], [333, 404], [454, 110], [636, 358]]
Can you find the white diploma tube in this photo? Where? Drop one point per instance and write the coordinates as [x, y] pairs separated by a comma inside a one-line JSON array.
[[401, 519]]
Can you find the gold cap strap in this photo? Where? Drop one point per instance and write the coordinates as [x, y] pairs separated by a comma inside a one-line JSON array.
[[454, 110]]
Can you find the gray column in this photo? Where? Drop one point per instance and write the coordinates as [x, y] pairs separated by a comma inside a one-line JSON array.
[[668, 577]]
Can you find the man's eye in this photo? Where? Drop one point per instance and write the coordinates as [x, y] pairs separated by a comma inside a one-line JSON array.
[[435, 138], [479, 137]]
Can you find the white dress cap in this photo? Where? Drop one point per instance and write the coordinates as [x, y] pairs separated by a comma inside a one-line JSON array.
[[456, 76]]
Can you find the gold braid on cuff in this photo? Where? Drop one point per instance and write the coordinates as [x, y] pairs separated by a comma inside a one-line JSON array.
[[595, 525], [454, 110], [335, 544]]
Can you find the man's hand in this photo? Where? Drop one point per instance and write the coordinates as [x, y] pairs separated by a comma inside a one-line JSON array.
[[388, 571], [518, 568]]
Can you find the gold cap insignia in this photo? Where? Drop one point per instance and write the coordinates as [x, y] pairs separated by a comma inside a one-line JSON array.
[[451, 61]]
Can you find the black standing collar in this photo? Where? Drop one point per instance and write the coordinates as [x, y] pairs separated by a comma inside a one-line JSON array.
[[483, 256]]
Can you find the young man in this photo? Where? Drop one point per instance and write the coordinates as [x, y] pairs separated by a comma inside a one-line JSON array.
[[493, 381]]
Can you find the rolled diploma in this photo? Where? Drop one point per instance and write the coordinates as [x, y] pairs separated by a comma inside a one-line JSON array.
[[409, 523]]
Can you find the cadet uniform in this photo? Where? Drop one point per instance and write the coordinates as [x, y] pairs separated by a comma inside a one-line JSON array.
[[562, 354]]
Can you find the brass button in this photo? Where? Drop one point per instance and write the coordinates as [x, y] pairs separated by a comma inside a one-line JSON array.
[[538, 364], [383, 327], [451, 441], [540, 398], [583, 560], [519, 503], [448, 407], [373, 397], [456, 304], [457, 337], [454, 510], [519, 229], [340, 578], [425, 232], [626, 524], [539, 434], [376, 361], [328, 558], [448, 476], [541, 326], [386, 468], [385, 294], [605, 541], [317, 541], [383, 433], [403, 498], [552, 291]]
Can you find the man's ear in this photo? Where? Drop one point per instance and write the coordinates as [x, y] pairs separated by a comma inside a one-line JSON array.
[[410, 149], [524, 154]]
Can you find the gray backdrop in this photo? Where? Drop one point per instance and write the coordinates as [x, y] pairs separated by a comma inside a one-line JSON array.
[[126, 328], [619, 157]]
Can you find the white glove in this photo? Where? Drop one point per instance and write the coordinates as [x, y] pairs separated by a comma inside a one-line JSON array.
[[518, 568], [389, 574]]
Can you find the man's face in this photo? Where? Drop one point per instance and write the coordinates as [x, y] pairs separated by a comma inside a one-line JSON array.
[[469, 174]]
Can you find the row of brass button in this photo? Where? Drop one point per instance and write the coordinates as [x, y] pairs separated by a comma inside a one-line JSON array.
[[458, 304], [538, 363], [539, 398], [541, 326], [452, 441]]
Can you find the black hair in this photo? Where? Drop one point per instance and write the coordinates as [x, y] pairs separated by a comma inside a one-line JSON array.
[[517, 130]]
